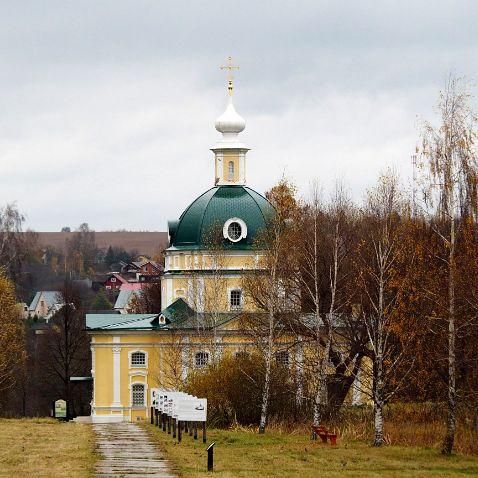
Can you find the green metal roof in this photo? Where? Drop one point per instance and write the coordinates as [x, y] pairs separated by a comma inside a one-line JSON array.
[[178, 316], [119, 321], [208, 213], [178, 310]]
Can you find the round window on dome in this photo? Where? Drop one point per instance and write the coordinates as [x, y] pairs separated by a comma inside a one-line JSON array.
[[235, 229]]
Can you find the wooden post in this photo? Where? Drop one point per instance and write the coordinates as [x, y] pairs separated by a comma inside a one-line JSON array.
[[152, 415], [185, 427], [174, 427], [204, 432], [169, 425], [210, 457], [195, 430], [180, 429], [191, 426], [163, 419]]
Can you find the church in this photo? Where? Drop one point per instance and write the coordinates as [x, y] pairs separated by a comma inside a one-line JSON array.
[[211, 247]]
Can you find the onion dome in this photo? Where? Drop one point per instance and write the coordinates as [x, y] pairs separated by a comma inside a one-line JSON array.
[[230, 122]]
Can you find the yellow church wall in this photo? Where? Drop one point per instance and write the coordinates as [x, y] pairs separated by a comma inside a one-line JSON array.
[[103, 374], [213, 292], [170, 356], [199, 260]]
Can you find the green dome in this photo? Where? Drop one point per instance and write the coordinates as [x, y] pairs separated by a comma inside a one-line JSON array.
[[208, 214]]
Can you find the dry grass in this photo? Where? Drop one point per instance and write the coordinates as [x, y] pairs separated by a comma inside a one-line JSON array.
[[406, 424], [45, 448], [280, 453], [409, 425]]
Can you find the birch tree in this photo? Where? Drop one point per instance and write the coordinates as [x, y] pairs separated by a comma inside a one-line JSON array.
[[15, 244], [271, 286], [384, 261], [320, 272], [451, 170]]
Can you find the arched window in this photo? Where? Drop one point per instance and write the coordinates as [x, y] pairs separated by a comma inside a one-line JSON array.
[[231, 170], [138, 395], [138, 359], [282, 357], [201, 359]]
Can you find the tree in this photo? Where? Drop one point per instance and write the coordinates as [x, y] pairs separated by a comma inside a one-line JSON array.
[[12, 340], [81, 249], [15, 245], [270, 285], [148, 299], [101, 302], [323, 236], [451, 189], [68, 345], [385, 259]]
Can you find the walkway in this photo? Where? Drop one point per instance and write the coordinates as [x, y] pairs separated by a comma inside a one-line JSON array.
[[127, 451]]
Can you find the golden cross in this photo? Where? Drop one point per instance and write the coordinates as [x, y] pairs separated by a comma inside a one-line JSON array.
[[229, 67]]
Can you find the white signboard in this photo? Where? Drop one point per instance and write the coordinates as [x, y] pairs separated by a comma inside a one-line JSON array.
[[179, 405], [192, 410], [154, 397]]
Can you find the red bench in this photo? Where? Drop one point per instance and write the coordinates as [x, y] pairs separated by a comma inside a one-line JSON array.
[[324, 434]]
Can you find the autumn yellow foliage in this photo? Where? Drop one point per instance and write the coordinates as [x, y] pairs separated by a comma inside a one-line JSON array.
[[12, 342]]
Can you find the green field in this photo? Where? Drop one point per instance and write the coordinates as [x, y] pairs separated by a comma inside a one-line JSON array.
[[246, 454], [45, 448]]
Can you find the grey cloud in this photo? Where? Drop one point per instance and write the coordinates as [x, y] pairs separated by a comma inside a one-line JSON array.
[[97, 97]]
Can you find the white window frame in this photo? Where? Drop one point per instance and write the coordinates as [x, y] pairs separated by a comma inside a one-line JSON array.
[[225, 229], [130, 358], [202, 352], [145, 388], [235, 307], [230, 171], [113, 279]]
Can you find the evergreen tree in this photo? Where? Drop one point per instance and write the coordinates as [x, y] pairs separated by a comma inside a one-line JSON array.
[[101, 302]]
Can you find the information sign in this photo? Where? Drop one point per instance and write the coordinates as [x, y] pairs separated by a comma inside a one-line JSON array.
[[60, 408]]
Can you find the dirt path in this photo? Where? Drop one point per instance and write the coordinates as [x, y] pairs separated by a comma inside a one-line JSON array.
[[126, 450]]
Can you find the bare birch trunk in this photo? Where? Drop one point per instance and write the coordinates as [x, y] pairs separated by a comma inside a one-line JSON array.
[[378, 399], [451, 399], [378, 386], [378, 423], [267, 378]]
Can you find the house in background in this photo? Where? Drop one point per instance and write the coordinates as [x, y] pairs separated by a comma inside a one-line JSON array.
[[45, 304], [124, 300], [141, 271], [114, 281]]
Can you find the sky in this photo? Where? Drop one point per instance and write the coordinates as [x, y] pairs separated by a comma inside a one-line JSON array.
[[107, 108]]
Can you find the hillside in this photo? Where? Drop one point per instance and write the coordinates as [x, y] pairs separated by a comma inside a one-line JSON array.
[[144, 242]]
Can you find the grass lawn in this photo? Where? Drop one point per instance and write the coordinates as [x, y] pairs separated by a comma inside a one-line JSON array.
[[246, 454], [45, 448]]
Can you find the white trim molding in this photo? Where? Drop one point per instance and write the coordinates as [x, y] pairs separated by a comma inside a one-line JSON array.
[[116, 374], [131, 352], [225, 229]]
